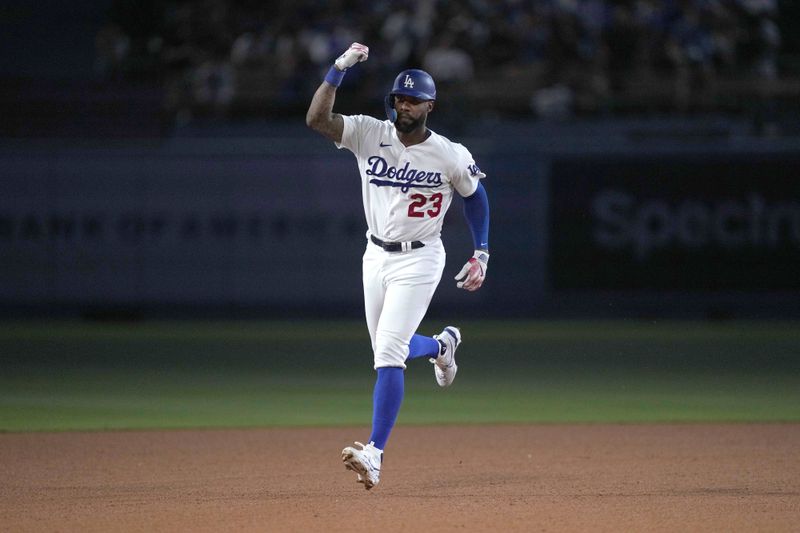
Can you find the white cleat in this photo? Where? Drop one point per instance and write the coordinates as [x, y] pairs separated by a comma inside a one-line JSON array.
[[444, 366], [365, 462]]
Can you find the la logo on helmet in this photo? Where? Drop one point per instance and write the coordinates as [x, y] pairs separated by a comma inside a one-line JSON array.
[[409, 82]]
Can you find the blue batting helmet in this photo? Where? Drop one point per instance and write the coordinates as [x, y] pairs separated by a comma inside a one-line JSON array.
[[412, 82]]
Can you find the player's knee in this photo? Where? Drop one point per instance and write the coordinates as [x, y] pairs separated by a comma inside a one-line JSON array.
[[390, 351], [383, 359]]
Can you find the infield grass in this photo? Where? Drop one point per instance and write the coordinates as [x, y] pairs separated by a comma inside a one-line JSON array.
[[79, 375]]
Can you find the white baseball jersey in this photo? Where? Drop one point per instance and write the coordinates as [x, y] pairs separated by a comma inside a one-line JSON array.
[[407, 190]]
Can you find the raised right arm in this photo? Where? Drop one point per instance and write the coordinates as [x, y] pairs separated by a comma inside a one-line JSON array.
[[320, 116]]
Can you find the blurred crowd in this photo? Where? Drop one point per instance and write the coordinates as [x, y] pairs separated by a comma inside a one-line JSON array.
[[550, 56]]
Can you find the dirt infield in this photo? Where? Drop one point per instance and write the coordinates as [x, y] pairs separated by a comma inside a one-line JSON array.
[[481, 478]]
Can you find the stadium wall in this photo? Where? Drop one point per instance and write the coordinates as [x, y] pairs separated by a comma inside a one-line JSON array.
[[637, 218]]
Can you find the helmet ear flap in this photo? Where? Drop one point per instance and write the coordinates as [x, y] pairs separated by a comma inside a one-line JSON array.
[[388, 104]]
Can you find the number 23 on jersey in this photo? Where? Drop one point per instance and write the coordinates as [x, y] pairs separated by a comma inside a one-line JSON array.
[[421, 205]]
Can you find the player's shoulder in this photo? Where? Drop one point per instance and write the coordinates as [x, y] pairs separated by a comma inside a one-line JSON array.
[[366, 121], [454, 149]]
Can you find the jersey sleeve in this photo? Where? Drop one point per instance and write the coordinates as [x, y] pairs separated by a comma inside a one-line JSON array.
[[357, 128], [467, 174]]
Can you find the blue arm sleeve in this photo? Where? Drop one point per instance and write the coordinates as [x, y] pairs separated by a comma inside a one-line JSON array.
[[476, 211]]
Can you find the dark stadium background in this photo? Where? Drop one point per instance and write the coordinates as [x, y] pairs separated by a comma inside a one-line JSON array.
[[642, 156]]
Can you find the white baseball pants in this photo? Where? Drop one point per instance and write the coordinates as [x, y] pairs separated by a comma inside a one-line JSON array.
[[398, 287]]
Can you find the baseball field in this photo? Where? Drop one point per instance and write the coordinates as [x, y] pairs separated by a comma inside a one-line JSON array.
[[550, 426]]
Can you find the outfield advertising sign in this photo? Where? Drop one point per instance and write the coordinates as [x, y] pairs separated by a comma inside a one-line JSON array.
[[715, 223], [129, 228]]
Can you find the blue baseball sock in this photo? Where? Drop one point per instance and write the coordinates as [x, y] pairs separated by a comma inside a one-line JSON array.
[[421, 346], [386, 400]]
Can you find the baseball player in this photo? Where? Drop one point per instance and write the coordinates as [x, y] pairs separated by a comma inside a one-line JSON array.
[[409, 175]]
